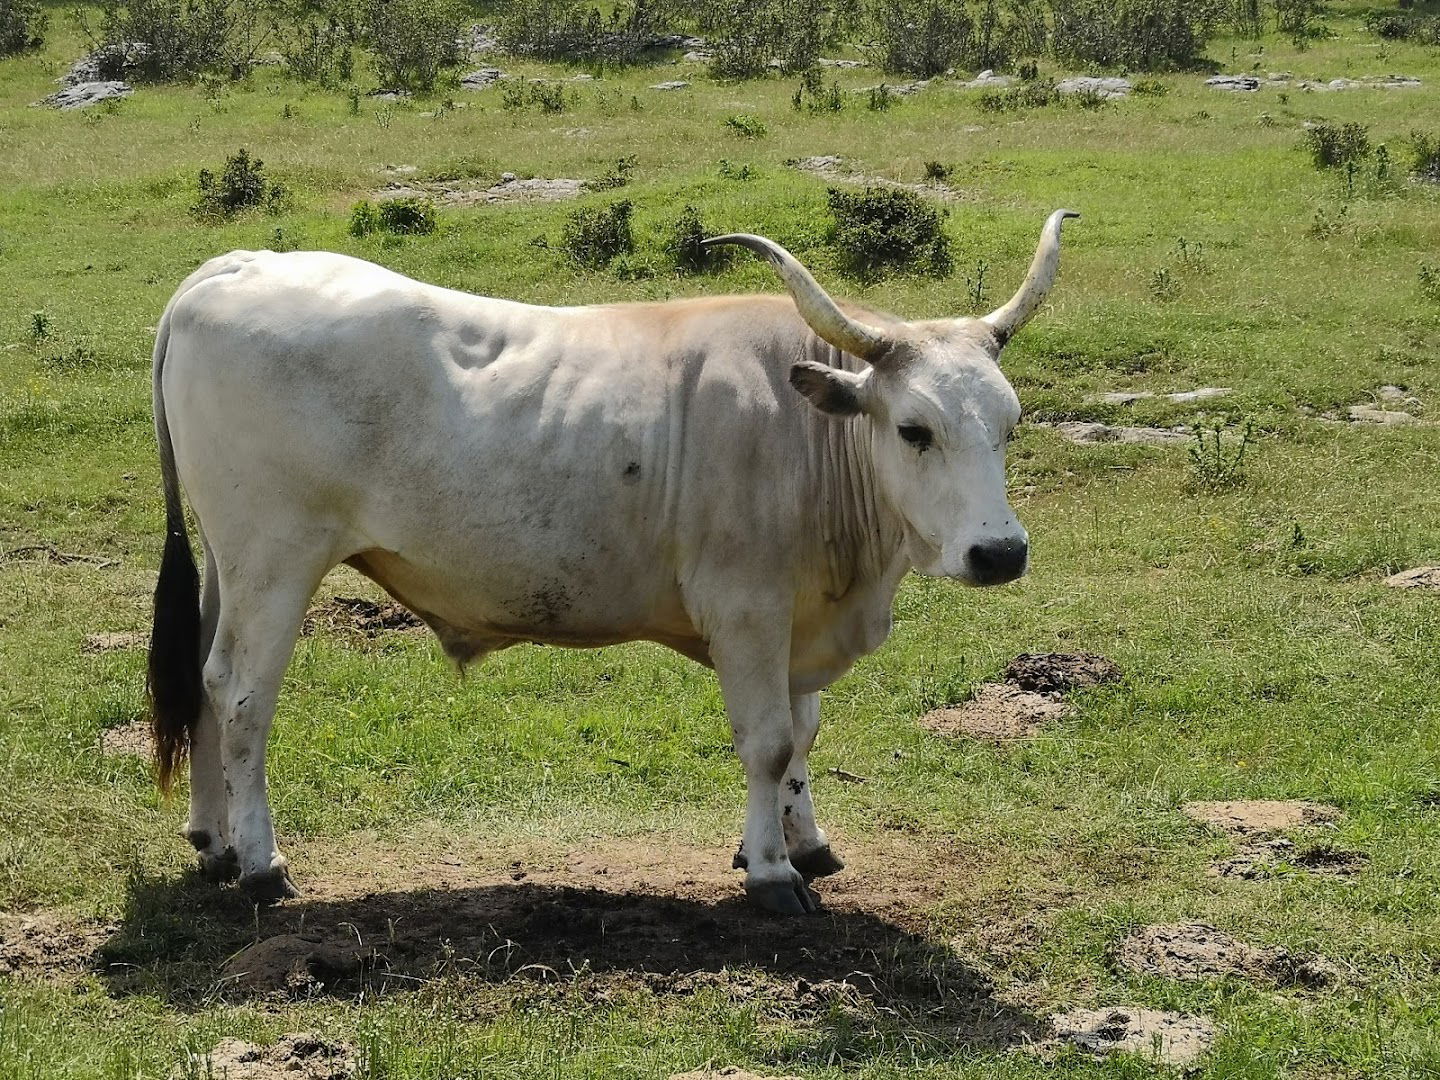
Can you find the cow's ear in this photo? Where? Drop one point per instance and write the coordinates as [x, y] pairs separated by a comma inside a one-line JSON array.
[[831, 390]]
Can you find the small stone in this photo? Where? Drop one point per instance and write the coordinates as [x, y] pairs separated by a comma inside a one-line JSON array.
[[482, 79], [1368, 414], [1110, 88], [1421, 577]]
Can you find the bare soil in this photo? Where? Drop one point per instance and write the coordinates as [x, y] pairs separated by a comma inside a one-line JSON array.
[[132, 739], [1421, 577], [47, 946], [113, 640], [359, 616], [997, 713], [727, 1072], [299, 1056], [1170, 1038], [1059, 673], [1276, 856], [1195, 951], [1249, 816]]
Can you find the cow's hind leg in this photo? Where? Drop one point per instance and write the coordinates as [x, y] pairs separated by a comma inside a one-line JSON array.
[[262, 604], [208, 826]]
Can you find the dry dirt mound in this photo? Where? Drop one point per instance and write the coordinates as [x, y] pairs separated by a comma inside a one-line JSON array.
[[726, 1072], [294, 964], [1169, 1038], [1200, 951], [132, 739], [112, 640], [357, 615], [1421, 577], [1057, 673], [997, 713], [1246, 816], [295, 1057], [1277, 856], [45, 946]]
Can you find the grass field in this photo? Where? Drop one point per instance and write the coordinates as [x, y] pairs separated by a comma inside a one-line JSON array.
[[988, 886]]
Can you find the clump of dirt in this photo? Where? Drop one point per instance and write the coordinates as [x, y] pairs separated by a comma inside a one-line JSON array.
[[1200, 951], [1421, 577], [1167, 1037], [1247, 816], [127, 740], [299, 1056], [997, 713], [296, 965], [1278, 856], [1057, 673], [113, 640], [726, 1072], [45, 945], [357, 615]]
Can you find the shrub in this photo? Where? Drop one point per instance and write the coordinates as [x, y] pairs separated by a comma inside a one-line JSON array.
[[747, 35], [682, 245], [1333, 146], [729, 170], [413, 41], [1217, 464], [410, 216], [22, 26], [1421, 29], [596, 235], [320, 53], [812, 95], [241, 186], [185, 38], [746, 126], [926, 37], [882, 228], [1151, 87], [1300, 19], [1030, 95], [618, 176], [567, 30], [548, 97], [881, 98], [1425, 156], [936, 171], [1139, 35]]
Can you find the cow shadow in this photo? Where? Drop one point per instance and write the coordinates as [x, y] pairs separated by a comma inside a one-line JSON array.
[[189, 944]]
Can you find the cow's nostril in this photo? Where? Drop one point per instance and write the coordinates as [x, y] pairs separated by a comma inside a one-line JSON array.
[[997, 561]]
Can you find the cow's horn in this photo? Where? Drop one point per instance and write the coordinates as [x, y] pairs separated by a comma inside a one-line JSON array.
[[1010, 318], [815, 306]]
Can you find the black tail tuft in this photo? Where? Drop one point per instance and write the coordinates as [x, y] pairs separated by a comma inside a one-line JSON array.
[[173, 684]]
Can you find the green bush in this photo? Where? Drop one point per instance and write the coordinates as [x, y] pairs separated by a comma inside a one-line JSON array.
[[1333, 146], [569, 30], [747, 35], [519, 94], [413, 41], [241, 186], [617, 177], [927, 37], [1425, 156], [320, 52], [22, 26], [1137, 35], [596, 235], [746, 126], [683, 248], [410, 216], [186, 38], [888, 228]]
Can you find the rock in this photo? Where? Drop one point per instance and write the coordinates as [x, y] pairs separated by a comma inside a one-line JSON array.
[[673, 84], [1058, 673], [1246, 84], [1368, 414], [696, 56], [1247, 816], [1126, 397], [997, 713], [1196, 951], [293, 964], [390, 95], [300, 1056], [1110, 88], [898, 89], [988, 80], [1169, 1038], [1088, 433], [482, 79], [1421, 577], [83, 95], [824, 163], [842, 64], [478, 39], [107, 64]]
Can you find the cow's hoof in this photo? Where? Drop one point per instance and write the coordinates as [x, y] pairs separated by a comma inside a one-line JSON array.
[[740, 862], [822, 862], [269, 886], [783, 898], [220, 868]]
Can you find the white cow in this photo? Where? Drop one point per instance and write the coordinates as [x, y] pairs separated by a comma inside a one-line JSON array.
[[570, 476]]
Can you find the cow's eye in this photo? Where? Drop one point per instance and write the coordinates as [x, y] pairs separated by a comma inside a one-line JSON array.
[[917, 435]]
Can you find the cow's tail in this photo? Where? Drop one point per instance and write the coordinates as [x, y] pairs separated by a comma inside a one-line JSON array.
[[173, 680]]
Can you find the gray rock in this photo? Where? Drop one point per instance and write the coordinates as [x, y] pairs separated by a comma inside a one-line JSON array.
[[1246, 84], [1368, 414], [482, 79], [1088, 433], [696, 56], [83, 95], [1110, 88], [988, 80], [478, 39], [109, 63], [841, 63], [673, 84]]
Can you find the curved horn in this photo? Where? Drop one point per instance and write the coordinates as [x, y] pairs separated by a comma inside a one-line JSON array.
[[815, 306], [1010, 318]]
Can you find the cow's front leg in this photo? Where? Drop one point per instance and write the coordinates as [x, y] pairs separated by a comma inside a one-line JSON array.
[[752, 667], [806, 842]]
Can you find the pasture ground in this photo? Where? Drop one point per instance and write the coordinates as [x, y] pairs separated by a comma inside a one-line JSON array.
[[475, 833]]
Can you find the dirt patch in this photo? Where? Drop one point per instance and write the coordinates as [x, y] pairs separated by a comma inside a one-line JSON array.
[[727, 1072], [1278, 856], [1091, 433], [1249, 816], [1058, 673], [300, 1056], [997, 713], [1421, 577], [47, 946], [509, 189], [1167, 1037], [296, 965], [357, 615], [127, 740], [114, 640], [1199, 951], [49, 553]]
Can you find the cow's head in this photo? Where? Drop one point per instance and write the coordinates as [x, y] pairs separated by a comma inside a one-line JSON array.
[[939, 412]]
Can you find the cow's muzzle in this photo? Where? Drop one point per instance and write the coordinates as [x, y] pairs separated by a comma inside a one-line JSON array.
[[995, 562]]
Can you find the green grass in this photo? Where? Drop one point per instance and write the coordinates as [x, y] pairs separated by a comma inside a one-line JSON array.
[[1263, 658]]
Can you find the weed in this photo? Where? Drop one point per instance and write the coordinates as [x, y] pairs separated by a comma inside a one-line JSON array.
[[812, 95], [1429, 281], [746, 126], [1326, 224], [1214, 465], [22, 26], [241, 186], [288, 112], [1425, 156], [1029, 71], [618, 176], [1036, 94], [548, 97], [1334, 146], [1163, 285], [884, 228], [595, 235], [975, 285], [1150, 87], [729, 170], [39, 325], [282, 241], [936, 172], [72, 356], [881, 98], [1192, 255], [682, 245]]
